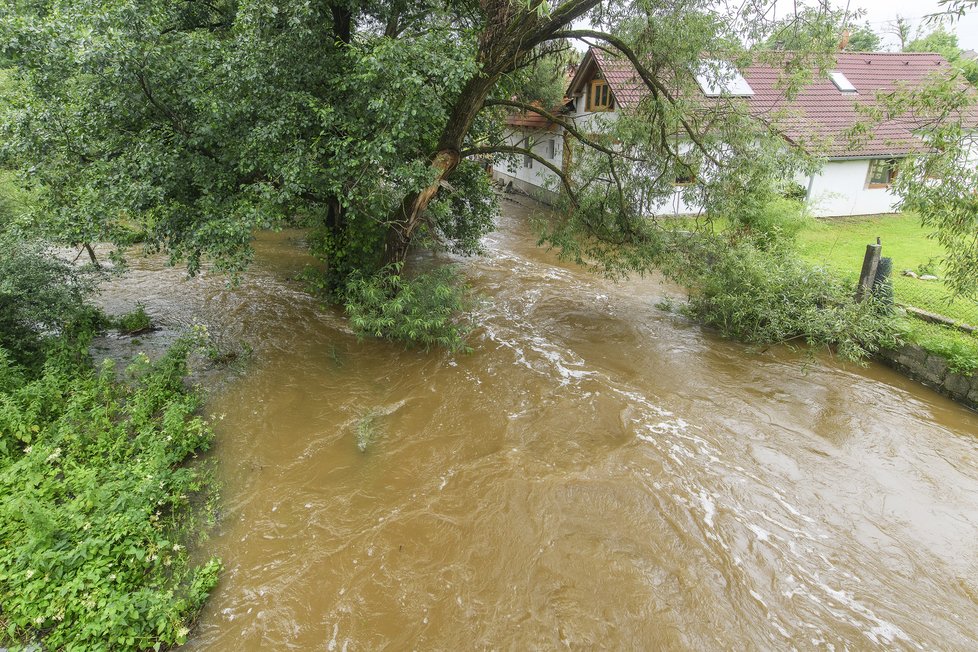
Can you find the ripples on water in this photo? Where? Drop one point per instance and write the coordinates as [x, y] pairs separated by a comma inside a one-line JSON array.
[[597, 474]]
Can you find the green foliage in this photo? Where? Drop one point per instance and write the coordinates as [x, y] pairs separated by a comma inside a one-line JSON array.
[[864, 39], [545, 80], [764, 296], [423, 310], [929, 267], [958, 348], [461, 215], [774, 223], [39, 293], [818, 28], [367, 430], [940, 40], [100, 503], [136, 321]]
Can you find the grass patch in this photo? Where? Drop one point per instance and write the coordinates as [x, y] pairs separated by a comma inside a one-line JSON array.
[[840, 244], [958, 348]]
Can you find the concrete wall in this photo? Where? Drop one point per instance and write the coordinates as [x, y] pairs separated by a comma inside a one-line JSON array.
[[840, 189], [932, 370]]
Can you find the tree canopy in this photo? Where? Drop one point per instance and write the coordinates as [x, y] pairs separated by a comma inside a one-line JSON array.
[[190, 125]]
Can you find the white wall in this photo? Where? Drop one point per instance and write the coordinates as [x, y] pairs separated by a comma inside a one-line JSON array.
[[840, 189], [534, 176]]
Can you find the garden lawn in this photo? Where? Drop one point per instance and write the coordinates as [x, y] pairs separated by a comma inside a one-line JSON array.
[[840, 244]]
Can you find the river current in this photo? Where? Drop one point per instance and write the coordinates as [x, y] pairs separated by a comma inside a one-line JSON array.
[[596, 474]]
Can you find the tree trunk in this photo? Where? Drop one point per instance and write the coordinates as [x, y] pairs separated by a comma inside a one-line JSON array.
[[406, 219], [510, 34]]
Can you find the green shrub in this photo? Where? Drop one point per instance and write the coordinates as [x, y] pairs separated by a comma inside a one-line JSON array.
[[762, 296], [776, 223], [100, 503], [134, 322], [423, 310], [39, 293]]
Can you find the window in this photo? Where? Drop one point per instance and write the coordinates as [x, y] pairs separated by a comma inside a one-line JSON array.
[[685, 174], [721, 78], [841, 82], [551, 148], [599, 96], [882, 172], [527, 159]]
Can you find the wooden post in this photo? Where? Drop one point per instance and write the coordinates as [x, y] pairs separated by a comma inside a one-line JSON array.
[[870, 262]]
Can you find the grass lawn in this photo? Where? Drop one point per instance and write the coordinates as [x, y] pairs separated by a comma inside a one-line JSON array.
[[840, 243]]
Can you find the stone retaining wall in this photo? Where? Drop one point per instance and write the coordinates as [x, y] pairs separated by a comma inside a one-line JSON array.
[[932, 370]]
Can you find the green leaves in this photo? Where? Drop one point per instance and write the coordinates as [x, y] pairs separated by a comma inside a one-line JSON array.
[[423, 310], [762, 295], [95, 503]]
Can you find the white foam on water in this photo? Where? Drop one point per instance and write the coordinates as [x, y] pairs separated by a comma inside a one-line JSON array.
[[709, 507]]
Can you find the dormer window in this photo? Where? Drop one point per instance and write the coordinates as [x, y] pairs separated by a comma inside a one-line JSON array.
[[599, 96], [841, 82]]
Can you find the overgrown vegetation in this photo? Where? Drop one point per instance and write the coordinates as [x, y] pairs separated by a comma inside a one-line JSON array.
[[839, 245], [756, 289], [960, 349], [134, 322], [101, 495], [424, 309], [100, 503]]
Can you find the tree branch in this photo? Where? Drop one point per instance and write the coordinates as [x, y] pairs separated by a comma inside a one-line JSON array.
[[653, 84], [512, 149], [569, 126]]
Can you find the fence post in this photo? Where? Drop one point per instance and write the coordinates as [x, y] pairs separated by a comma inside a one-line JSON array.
[[870, 262]]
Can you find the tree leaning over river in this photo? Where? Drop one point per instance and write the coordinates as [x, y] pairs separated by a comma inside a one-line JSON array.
[[190, 125]]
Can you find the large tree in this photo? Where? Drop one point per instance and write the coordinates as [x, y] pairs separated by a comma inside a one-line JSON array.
[[192, 124]]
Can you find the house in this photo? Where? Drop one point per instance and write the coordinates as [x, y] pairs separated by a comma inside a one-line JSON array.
[[855, 179]]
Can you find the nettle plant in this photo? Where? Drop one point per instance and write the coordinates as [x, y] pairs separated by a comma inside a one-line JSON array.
[[101, 500]]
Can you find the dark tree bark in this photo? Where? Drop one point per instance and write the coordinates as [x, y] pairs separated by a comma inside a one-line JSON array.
[[511, 33], [342, 23]]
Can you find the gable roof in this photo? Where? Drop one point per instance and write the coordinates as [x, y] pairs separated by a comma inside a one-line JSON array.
[[820, 115]]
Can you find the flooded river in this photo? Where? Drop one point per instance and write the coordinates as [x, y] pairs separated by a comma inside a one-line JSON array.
[[596, 474]]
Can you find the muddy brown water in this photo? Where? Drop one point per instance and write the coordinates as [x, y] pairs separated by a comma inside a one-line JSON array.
[[597, 474]]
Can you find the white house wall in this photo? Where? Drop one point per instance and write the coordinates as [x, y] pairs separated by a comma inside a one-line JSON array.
[[535, 179], [840, 189]]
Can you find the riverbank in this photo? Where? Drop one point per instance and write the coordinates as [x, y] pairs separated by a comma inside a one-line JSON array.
[[104, 502]]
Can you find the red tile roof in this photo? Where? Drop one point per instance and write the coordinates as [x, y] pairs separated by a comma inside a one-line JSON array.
[[820, 115]]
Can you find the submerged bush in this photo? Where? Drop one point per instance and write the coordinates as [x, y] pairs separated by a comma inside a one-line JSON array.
[[134, 322], [764, 296], [100, 504], [422, 310]]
